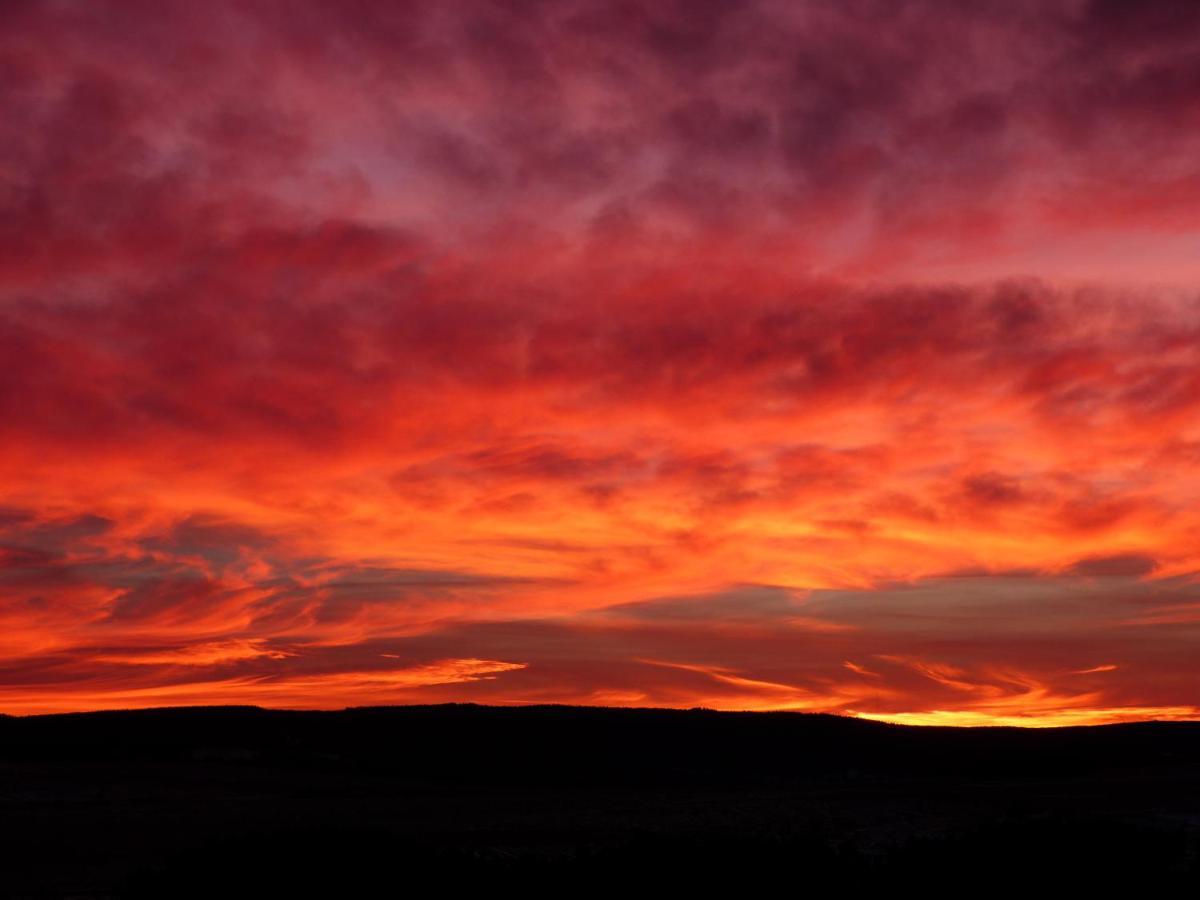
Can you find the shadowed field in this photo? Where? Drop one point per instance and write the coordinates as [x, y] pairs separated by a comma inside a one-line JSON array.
[[232, 801]]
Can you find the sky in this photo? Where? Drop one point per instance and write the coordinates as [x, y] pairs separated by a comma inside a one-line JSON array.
[[822, 356]]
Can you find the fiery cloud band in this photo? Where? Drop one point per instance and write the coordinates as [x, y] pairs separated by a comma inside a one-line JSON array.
[[824, 356]]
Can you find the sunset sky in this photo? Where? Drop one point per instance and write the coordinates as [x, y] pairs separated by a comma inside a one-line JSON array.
[[829, 356]]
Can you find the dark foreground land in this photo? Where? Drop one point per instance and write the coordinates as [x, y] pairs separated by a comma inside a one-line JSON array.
[[222, 802]]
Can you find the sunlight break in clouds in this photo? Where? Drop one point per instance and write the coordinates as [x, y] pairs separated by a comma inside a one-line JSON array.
[[837, 356]]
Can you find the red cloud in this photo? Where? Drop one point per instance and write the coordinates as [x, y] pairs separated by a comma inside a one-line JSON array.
[[356, 324]]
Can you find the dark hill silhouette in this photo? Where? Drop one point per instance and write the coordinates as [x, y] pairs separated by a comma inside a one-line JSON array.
[[230, 801]]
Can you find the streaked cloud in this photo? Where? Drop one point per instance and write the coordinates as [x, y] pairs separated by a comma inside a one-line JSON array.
[[836, 356]]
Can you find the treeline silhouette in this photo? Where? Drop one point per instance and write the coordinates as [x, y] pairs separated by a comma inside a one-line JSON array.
[[239, 801]]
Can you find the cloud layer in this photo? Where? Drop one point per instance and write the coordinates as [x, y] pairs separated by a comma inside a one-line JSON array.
[[833, 356]]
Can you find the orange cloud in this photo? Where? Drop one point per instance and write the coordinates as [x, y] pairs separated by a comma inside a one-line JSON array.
[[207, 654], [624, 338], [326, 690]]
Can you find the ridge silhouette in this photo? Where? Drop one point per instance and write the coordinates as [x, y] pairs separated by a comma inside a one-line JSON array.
[[240, 801]]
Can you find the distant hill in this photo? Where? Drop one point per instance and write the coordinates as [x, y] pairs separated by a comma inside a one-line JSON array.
[[584, 745], [179, 802]]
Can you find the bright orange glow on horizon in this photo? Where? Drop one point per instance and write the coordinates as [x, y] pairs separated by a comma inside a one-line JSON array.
[[651, 357]]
